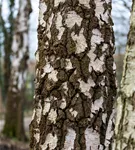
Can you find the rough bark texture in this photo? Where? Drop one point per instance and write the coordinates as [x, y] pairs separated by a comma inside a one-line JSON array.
[[14, 115], [125, 121], [75, 76]]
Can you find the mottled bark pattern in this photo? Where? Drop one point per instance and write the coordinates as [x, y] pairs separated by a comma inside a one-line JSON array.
[[125, 121], [75, 76], [14, 115]]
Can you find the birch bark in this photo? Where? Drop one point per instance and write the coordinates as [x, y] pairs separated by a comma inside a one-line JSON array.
[[125, 121], [14, 116], [75, 76]]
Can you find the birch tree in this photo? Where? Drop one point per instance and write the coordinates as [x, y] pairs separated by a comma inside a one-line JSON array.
[[125, 121], [14, 116], [7, 26], [75, 76]]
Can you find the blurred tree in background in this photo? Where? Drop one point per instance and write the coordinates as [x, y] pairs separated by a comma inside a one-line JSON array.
[[14, 126], [7, 31], [120, 14], [125, 121]]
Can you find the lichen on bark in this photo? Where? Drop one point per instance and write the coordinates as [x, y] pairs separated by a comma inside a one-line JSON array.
[[75, 79], [125, 121]]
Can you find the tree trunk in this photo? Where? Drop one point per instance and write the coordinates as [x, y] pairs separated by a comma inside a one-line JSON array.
[[125, 121], [75, 76], [7, 44], [1, 103], [14, 116]]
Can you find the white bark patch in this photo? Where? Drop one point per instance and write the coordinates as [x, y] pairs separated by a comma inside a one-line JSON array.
[[48, 68], [68, 64], [38, 112], [99, 11], [108, 1], [37, 137], [114, 66], [20, 81], [72, 19], [42, 10], [65, 88], [37, 56], [25, 42], [96, 37], [14, 90], [22, 25], [103, 81], [73, 112], [51, 142], [104, 116], [63, 104], [52, 116], [92, 139], [105, 16], [99, 8], [57, 2], [52, 58], [15, 44], [97, 105], [92, 57], [49, 23], [85, 87], [16, 62], [105, 46], [42, 75], [33, 115], [86, 3], [36, 134], [59, 25], [37, 71], [70, 139], [80, 41], [96, 64], [53, 75], [46, 106]]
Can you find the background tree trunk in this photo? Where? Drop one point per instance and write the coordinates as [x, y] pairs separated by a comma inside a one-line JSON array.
[[14, 116], [75, 76], [125, 121], [1, 103], [7, 44]]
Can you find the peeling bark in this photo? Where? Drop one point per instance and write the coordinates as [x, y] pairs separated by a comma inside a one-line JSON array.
[[75, 78], [125, 121], [14, 116]]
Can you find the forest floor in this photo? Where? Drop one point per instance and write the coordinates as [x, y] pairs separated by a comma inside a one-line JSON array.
[[8, 144]]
